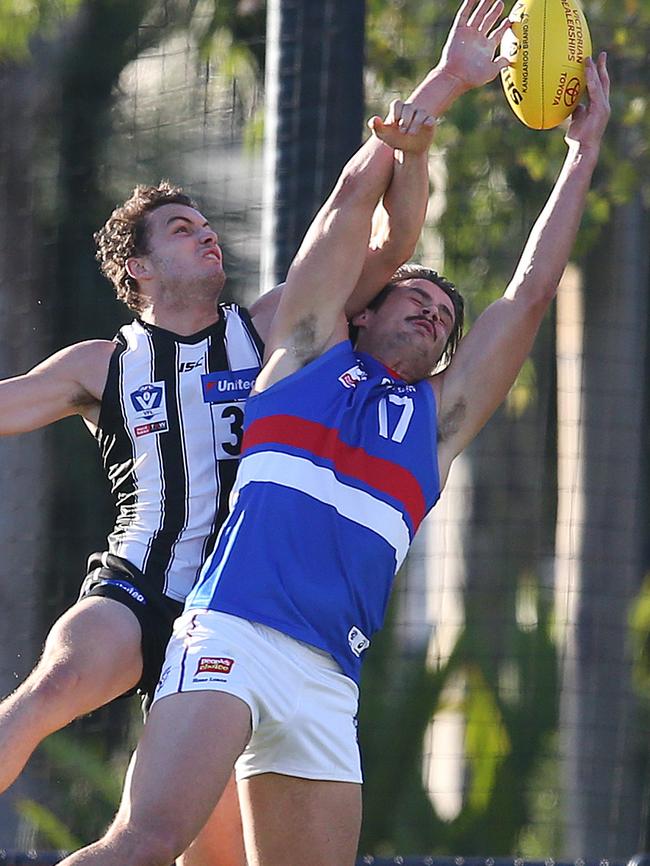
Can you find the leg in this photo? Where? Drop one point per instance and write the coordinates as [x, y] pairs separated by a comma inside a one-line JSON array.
[[184, 760], [220, 842], [71, 679], [292, 820]]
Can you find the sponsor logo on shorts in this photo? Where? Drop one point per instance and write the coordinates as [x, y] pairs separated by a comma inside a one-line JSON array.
[[210, 665], [352, 377], [135, 594], [357, 640]]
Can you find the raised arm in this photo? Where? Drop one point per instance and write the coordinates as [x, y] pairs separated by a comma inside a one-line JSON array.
[[69, 382], [490, 356], [311, 313], [467, 61]]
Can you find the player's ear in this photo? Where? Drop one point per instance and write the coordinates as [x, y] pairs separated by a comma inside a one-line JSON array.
[[137, 268], [361, 318]]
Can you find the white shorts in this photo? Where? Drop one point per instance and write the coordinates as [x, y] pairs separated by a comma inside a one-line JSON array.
[[303, 707]]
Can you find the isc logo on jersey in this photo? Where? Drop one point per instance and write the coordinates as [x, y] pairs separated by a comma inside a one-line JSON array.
[[150, 408], [353, 376]]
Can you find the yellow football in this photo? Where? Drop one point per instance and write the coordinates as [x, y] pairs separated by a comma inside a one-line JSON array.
[[546, 45]]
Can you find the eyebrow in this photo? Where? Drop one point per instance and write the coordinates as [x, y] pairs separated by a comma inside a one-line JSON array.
[[185, 220], [427, 297]]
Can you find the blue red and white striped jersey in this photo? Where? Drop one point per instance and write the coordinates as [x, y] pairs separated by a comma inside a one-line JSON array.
[[339, 467]]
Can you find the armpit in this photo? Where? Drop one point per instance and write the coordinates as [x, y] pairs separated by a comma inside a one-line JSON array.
[[304, 337], [449, 424], [83, 400]]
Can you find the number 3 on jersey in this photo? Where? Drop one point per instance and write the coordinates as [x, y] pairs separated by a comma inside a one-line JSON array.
[[229, 424], [395, 415]]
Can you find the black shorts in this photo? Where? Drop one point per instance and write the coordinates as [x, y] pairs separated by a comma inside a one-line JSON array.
[[113, 577]]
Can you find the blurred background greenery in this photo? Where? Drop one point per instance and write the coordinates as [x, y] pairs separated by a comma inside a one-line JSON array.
[[505, 706]]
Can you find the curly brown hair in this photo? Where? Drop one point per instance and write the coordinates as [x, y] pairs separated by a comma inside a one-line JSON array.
[[124, 235]]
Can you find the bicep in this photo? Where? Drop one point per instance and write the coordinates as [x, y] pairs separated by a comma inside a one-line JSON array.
[[31, 401], [484, 369], [60, 386], [263, 310]]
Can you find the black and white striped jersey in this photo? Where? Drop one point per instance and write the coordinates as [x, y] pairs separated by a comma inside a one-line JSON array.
[[170, 430]]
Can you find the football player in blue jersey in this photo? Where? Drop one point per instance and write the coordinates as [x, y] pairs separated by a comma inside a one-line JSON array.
[[345, 450]]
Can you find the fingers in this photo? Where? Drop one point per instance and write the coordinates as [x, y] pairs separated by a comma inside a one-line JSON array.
[[603, 74], [597, 79], [405, 128], [502, 63], [466, 9], [408, 118], [499, 33], [490, 17]]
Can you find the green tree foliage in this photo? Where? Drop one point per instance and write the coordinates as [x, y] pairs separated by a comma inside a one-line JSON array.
[[494, 162], [20, 20], [508, 721]]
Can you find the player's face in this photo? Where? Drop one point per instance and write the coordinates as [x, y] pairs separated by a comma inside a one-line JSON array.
[[183, 251], [410, 330]]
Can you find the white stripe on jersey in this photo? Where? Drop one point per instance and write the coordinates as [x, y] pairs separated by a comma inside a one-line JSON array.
[[321, 483], [136, 369], [203, 428]]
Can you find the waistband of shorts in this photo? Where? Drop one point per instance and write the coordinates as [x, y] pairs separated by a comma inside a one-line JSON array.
[[311, 653]]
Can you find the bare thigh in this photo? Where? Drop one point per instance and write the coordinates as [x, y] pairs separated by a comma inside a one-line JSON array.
[[183, 762], [92, 654], [292, 820], [99, 641], [220, 842]]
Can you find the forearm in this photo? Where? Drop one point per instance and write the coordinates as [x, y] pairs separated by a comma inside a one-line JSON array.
[[438, 91], [551, 240], [397, 228], [405, 204]]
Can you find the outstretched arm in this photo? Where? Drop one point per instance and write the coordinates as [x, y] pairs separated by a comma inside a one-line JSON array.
[[311, 313], [68, 383], [490, 356], [467, 61]]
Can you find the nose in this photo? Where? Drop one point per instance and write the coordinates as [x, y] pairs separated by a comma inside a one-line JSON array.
[[431, 313], [209, 236]]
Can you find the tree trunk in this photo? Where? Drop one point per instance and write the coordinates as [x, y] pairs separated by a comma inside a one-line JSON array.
[[314, 85]]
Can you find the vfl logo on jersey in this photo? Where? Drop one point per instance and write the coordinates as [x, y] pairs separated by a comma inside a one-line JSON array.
[[150, 408], [228, 386], [352, 377], [357, 640], [210, 665]]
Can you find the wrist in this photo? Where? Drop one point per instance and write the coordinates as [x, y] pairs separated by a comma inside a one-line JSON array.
[[582, 153], [457, 85], [439, 90]]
